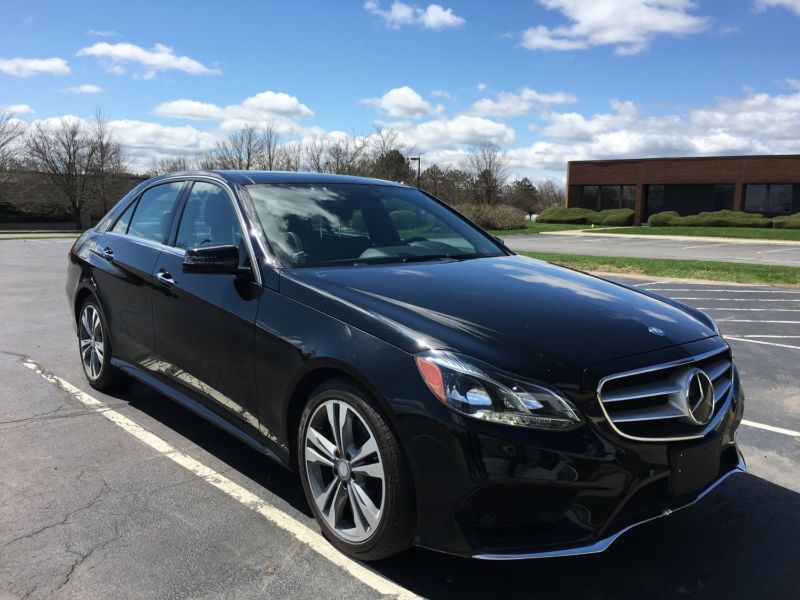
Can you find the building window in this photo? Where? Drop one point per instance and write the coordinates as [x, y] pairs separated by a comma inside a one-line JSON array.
[[768, 199], [654, 199], [723, 196], [604, 197], [590, 197]]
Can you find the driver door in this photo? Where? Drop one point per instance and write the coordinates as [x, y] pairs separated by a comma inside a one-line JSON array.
[[205, 323]]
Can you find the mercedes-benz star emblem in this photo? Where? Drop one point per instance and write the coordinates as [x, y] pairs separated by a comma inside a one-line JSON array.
[[699, 394]]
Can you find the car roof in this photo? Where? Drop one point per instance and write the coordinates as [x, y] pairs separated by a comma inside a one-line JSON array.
[[256, 177]]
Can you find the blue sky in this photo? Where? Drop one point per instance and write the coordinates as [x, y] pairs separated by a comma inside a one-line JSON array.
[[548, 80]]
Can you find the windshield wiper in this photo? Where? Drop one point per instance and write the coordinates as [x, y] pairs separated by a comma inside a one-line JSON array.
[[376, 260]]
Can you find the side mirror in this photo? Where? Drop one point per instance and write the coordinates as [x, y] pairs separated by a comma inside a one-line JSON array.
[[218, 260]]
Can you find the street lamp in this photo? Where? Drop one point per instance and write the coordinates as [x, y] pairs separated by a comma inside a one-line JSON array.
[[416, 158]]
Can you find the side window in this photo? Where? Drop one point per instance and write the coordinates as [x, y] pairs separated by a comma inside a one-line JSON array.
[[121, 226], [208, 218], [151, 219]]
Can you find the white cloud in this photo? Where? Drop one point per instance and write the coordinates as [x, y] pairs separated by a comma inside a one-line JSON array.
[[86, 88], [793, 83], [792, 5], [402, 102], [17, 109], [159, 58], [399, 14], [481, 87], [142, 140], [506, 104], [444, 134], [440, 94], [756, 123], [102, 33], [279, 108], [25, 67], [628, 25]]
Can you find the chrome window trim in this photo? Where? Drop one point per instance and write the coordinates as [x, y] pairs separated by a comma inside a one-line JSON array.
[[667, 365], [190, 179], [603, 544]]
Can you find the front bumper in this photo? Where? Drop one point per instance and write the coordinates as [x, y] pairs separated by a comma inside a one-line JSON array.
[[495, 492]]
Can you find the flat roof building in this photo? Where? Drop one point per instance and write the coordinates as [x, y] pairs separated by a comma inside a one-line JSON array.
[[769, 185]]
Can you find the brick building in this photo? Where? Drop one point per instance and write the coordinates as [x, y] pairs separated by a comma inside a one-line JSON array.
[[769, 185]]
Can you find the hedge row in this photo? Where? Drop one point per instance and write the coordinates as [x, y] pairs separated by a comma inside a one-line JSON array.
[[584, 216], [499, 216], [722, 218]]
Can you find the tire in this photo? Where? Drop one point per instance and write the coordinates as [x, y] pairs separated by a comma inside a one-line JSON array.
[[94, 348], [341, 471]]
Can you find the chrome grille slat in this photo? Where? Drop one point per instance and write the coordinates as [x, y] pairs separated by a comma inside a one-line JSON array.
[[647, 404], [641, 391], [718, 369], [663, 411]]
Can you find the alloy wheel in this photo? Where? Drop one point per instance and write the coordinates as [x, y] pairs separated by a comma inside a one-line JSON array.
[[345, 471], [91, 342]]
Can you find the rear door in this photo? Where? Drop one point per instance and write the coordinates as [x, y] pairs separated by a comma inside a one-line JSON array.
[[123, 273], [205, 323]]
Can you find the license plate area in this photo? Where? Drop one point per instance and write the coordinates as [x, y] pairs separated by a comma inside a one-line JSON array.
[[694, 466]]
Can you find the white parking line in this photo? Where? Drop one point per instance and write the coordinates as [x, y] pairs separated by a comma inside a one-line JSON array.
[[749, 309], [649, 283], [739, 299], [771, 428], [738, 339], [757, 321], [303, 533], [781, 337], [732, 289]]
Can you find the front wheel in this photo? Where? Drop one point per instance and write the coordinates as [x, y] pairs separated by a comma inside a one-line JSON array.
[[355, 474]]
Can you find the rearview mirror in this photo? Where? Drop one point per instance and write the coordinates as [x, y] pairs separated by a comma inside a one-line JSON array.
[[219, 260]]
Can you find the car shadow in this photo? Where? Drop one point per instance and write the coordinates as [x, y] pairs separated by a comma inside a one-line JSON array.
[[742, 541]]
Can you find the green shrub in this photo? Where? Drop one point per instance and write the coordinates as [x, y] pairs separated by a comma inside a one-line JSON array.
[[662, 219], [403, 219], [787, 222], [614, 217], [499, 216], [719, 218], [573, 215], [562, 214]]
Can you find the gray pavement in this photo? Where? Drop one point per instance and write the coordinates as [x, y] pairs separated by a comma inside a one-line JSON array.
[[89, 511], [654, 247]]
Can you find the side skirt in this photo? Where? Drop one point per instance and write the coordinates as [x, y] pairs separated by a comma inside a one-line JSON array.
[[196, 407]]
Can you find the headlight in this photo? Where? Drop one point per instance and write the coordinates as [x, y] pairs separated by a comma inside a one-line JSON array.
[[466, 387]]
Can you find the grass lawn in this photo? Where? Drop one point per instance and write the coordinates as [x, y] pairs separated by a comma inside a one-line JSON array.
[[754, 233], [37, 237], [684, 269], [533, 227]]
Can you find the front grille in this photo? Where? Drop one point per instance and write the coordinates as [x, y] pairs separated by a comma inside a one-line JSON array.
[[641, 404]]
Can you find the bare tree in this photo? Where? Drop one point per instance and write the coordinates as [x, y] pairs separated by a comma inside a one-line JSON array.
[[11, 132], [242, 149], [70, 154], [169, 164], [488, 165], [270, 156], [315, 153], [550, 193], [109, 161], [290, 156]]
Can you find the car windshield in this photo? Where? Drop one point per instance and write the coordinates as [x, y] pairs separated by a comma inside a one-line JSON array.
[[317, 225]]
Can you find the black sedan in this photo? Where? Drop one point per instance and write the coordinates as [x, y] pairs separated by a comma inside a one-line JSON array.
[[429, 386]]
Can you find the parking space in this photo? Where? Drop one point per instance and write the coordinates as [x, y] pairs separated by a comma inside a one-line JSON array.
[[135, 497], [749, 251]]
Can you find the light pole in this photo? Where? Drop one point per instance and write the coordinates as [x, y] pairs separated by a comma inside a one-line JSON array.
[[416, 158]]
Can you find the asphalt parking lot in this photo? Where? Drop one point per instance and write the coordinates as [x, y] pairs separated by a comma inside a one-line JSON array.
[[751, 251], [136, 497]]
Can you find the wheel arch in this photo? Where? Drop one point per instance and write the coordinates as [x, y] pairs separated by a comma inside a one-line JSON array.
[[313, 375]]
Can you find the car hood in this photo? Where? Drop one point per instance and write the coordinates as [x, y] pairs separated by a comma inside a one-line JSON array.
[[521, 315]]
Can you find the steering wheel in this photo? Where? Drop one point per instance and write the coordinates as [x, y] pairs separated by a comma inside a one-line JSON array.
[[417, 238], [295, 242]]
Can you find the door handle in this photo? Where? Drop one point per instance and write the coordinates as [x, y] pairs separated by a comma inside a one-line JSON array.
[[108, 254], [165, 279]]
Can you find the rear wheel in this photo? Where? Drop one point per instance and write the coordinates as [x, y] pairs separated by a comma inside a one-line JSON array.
[[355, 474], [95, 348]]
